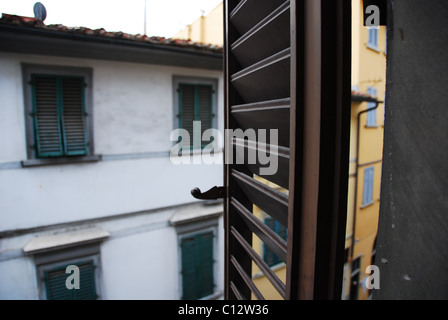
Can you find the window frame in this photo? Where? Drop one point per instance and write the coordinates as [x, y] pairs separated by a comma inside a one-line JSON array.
[[48, 261], [213, 82], [28, 71]]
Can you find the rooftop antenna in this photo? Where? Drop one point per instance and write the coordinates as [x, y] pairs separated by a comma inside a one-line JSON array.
[[40, 13], [144, 21]]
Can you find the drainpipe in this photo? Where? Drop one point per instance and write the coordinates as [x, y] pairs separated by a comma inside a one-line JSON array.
[[355, 201]]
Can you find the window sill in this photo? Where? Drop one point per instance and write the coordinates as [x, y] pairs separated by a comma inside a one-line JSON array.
[[371, 126], [375, 49], [367, 204], [59, 161]]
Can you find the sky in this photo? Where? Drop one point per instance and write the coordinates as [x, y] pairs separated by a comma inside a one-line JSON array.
[[163, 17]]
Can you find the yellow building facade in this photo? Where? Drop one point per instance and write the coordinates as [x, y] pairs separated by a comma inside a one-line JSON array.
[[206, 29], [366, 147], [366, 152]]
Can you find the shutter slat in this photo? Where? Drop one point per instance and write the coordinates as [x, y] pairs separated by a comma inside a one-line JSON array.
[[246, 278], [256, 82], [264, 31], [249, 12], [267, 115], [269, 237], [280, 176], [269, 200], [270, 275]]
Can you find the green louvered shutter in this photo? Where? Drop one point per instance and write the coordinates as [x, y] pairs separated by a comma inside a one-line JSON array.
[[186, 109], [57, 290], [47, 125], [197, 266], [73, 114], [59, 116], [204, 108], [205, 264], [195, 104]]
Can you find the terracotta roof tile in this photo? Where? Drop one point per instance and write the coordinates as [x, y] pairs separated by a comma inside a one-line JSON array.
[[28, 22]]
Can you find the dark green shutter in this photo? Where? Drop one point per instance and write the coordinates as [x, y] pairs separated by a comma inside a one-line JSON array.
[[204, 108], [195, 104], [197, 266], [57, 290], [73, 116], [47, 125], [59, 116], [187, 109]]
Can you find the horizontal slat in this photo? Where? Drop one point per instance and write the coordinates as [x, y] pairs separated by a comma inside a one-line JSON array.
[[264, 80], [236, 292], [270, 275], [268, 115], [280, 175], [246, 278], [269, 237], [269, 200], [249, 12], [266, 31]]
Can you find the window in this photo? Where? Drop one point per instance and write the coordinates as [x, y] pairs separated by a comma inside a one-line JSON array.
[[367, 197], [372, 39], [54, 252], [55, 282], [371, 115], [270, 257], [197, 265], [195, 105], [58, 114]]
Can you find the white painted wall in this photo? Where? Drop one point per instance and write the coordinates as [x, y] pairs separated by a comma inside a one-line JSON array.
[[133, 114], [139, 260]]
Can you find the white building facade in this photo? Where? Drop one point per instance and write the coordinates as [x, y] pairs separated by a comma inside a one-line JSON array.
[[120, 211]]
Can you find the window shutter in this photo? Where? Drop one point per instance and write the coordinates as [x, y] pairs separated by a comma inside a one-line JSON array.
[[197, 266], [188, 268], [186, 109], [205, 108], [59, 116], [205, 264], [283, 71], [47, 127], [56, 288], [73, 115], [195, 104]]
